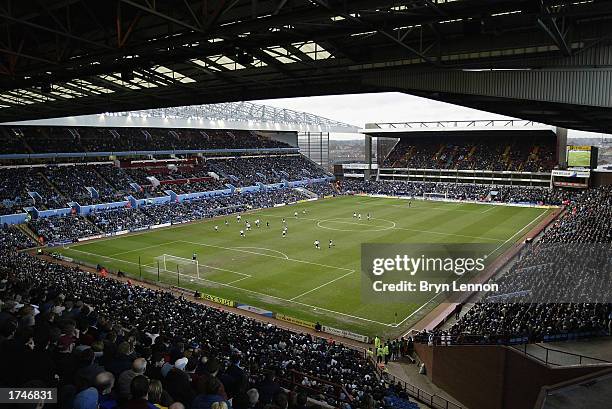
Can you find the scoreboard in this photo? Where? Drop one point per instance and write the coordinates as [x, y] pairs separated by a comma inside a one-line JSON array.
[[579, 156]]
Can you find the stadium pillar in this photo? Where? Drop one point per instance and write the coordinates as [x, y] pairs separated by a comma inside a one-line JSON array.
[[561, 146], [368, 157]]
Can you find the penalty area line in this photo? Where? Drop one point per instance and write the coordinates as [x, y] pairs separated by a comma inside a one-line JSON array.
[[228, 285], [322, 285]]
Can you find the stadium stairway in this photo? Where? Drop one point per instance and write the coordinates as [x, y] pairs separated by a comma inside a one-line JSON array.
[[409, 372], [51, 185], [450, 321], [27, 231]]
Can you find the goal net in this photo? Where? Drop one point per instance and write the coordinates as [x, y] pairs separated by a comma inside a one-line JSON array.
[[181, 265], [435, 196]]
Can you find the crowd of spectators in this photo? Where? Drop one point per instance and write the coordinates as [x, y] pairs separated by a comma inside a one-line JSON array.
[[191, 210], [109, 344], [54, 139], [531, 153], [73, 181], [58, 229], [61, 229], [461, 191], [89, 184], [15, 185], [119, 219], [13, 238], [323, 189], [559, 285], [247, 171]]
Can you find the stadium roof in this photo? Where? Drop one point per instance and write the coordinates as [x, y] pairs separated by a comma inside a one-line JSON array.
[[76, 57], [394, 129], [230, 115]]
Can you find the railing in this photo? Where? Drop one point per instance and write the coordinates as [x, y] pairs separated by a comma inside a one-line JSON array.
[[506, 340], [432, 400], [555, 357]]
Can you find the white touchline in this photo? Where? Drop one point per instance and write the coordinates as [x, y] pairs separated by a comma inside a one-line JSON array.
[[85, 243], [519, 232], [322, 285], [435, 296], [417, 310], [144, 248], [254, 292]]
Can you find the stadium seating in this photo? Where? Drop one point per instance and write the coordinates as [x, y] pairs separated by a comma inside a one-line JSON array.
[[35, 139], [78, 325], [458, 191], [11, 238], [58, 229], [274, 169], [79, 331], [528, 154], [89, 184]]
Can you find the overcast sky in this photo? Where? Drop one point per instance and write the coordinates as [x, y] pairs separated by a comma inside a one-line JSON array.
[[360, 109]]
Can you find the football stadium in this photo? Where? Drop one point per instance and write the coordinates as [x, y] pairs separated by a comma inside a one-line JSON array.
[[175, 234]]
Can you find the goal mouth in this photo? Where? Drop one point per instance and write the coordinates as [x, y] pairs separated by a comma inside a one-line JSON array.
[[435, 196], [178, 265]]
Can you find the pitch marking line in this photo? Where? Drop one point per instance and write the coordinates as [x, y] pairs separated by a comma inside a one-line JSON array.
[[450, 234], [266, 255], [254, 292], [240, 279], [443, 209], [144, 248], [520, 231], [389, 228], [435, 296], [229, 271], [339, 221], [286, 257], [322, 285], [153, 266]]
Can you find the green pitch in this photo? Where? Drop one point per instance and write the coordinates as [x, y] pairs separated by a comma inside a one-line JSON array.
[[288, 275]]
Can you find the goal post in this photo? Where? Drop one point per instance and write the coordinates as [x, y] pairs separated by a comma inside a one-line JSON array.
[[435, 196], [174, 264]]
